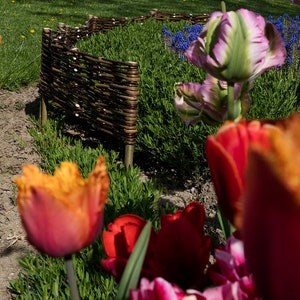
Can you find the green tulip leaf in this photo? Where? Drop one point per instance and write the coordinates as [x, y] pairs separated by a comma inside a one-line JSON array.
[[134, 265]]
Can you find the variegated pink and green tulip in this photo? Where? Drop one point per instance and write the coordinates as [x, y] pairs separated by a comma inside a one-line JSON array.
[[208, 101], [237, 46]]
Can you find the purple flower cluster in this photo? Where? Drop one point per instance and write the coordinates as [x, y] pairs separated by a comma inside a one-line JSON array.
[[178, 43], [289, 28], [290, 32]]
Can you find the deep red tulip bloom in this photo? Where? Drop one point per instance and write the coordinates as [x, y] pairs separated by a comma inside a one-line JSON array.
[[181, 250], [62, 213], [272, 213], [178, 252], [227, 155], [119, 240]]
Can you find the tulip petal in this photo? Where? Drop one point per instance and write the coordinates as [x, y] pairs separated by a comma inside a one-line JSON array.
[[237, 46], [277, 52], [228, 191], [160, 289], [272, 214], [122, 234], [226, 291], [62, 213], [227, 155], [52, 228], [181, 249]]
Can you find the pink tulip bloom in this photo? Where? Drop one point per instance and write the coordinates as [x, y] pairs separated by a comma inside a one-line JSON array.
[[160, 289], [237, 46], [227, 155], [230, 274], [208, 101], [272, 213], [63, 213]]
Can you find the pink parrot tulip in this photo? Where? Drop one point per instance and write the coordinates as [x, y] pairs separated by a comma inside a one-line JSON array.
[[230, 274], [237, 46]]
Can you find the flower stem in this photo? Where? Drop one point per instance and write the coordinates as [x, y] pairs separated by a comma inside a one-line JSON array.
[[71, 278], [226, 227], [230, 101], [223, 6]]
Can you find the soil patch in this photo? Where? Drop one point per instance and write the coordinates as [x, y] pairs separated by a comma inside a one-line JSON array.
[[17, 149]]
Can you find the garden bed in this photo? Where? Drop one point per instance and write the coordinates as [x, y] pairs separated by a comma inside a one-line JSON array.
[[101, 92]]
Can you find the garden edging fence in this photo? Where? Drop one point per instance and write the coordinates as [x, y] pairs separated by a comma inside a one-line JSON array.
[[101, 92]]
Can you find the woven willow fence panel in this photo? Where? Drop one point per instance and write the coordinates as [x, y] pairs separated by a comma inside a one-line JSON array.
[[101, 92]]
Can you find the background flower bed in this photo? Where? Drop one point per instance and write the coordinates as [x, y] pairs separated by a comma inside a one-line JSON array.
[[19, 70], [127, 193], [161, 135]]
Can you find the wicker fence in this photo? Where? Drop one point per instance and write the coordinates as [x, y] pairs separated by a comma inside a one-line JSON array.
[[102, 93]]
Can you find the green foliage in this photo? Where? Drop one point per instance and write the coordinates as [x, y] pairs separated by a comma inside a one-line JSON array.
[[43, 277], [127, 193], [21, 24], [162, 136], [275, 94], [131, 275]]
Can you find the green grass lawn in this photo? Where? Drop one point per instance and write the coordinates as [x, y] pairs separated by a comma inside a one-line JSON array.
[[21, 23]]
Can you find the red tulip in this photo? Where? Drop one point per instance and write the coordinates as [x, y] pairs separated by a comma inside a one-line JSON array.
[[178, 252], [181, 250], [227, 155], [63, 213], [272, 213], [119, 241]]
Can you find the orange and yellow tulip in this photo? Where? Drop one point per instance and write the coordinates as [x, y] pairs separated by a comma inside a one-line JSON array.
[[271, 212], [62, 213]]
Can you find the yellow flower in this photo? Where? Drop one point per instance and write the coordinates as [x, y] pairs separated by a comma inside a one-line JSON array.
[[62, 213], [31, 30]]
